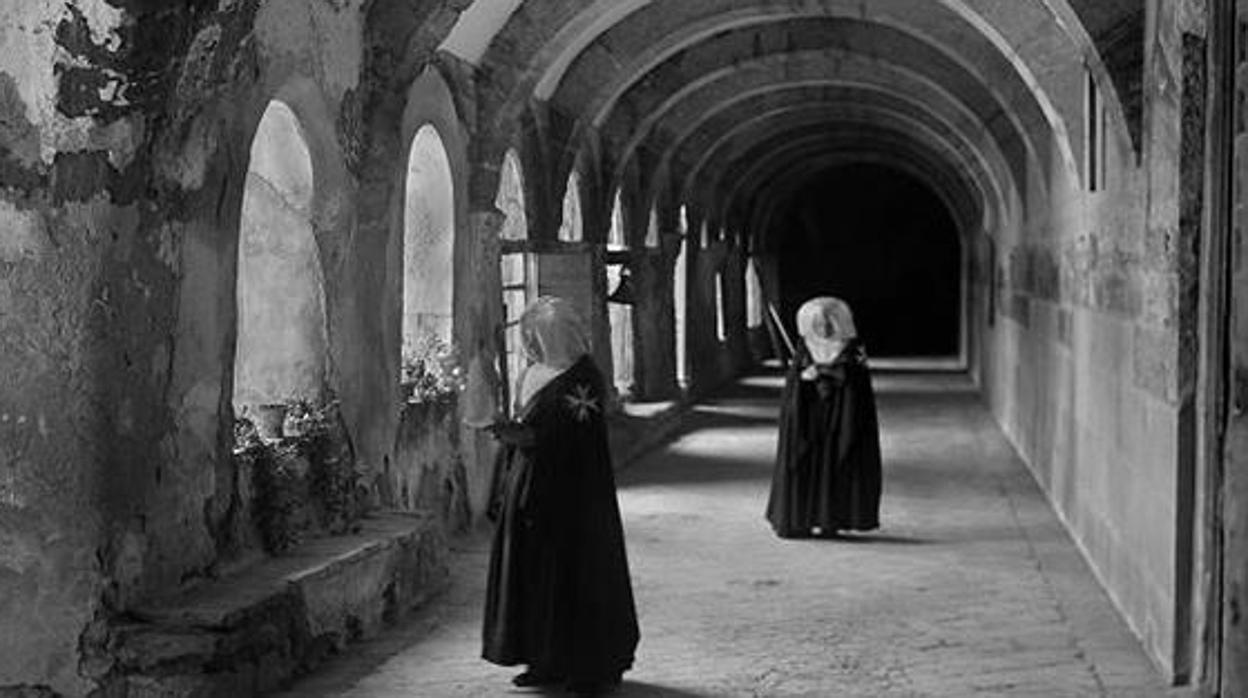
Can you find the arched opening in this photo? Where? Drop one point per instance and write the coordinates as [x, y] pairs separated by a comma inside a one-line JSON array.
[[753, 297], [887, 244], [721, 327], [620, 314], [428, 257], [572, 227], [680, 300], [515, 264], [652, 229], [281, 341]]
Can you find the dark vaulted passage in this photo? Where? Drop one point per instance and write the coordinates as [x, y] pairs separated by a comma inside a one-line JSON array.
[[886, 244], [262, 267]]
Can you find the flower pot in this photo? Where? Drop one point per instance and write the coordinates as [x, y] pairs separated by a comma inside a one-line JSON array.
[[269, 419]]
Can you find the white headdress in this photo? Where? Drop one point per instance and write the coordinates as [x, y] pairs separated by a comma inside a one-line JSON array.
[[826, 325], [554, 338]]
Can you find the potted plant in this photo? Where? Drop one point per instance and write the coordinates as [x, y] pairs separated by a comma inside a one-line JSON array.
[[431, 371], [246, 435]]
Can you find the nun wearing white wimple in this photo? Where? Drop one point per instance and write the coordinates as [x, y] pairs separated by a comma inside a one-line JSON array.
[[827, 475], [559, 598]]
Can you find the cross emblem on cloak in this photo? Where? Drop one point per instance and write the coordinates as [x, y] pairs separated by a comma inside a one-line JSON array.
[[582, 402]]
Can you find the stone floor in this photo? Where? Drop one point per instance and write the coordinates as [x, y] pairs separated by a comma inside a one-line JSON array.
[[970, 588]]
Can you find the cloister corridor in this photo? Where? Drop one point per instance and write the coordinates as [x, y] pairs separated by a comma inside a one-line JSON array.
[[264, 273], [971, 587]]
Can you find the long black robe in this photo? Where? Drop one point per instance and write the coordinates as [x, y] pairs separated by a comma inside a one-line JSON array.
[[559, 596], [828, 471]]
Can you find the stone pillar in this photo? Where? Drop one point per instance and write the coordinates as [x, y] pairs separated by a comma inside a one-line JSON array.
[[653, 321], [479, 314]]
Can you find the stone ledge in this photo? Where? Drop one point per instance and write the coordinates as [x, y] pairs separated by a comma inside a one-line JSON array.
[[253, 632]]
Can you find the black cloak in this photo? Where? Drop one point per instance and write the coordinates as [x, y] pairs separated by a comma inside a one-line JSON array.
[[828, 471], [559, 597]]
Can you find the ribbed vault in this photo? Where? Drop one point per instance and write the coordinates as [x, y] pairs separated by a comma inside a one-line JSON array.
[[725, 105]]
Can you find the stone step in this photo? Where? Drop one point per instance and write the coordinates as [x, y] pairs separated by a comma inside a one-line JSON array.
[[252, 632]]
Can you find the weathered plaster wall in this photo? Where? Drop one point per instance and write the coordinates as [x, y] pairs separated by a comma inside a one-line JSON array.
[[1082, 363], [125, 129], [77, 323]]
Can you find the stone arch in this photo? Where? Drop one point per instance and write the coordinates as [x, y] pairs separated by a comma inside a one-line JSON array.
[[431, 307], [1041, 116], [324, 209], [282, 342], [432, 106], [428, 247]]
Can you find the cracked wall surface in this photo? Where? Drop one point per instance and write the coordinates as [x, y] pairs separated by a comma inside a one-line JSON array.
[[124, 126]]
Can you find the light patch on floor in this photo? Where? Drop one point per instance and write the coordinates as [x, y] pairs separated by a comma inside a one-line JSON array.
[[970, 588]]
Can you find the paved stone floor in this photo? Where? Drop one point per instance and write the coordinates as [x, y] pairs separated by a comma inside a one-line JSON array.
[[970, 588]]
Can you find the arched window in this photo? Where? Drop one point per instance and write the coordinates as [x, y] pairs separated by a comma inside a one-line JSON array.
[[571, 229], [510, 199], [680, 299], [753, 296], [652, 229], [721, 329], [428, 252], [617, 237], [620, 315], [515, 263], [281, 339]]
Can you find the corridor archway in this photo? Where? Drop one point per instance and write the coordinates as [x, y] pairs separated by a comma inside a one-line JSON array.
[[281, 341]]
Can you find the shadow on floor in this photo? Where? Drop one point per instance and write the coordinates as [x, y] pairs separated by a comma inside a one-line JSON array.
[[870, 539], [686, 469], [628, 689], [638, 689]]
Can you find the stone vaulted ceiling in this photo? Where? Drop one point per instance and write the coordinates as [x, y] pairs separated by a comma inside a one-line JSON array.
[[730, 105]]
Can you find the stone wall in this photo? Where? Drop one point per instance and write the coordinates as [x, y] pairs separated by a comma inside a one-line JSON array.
[[125, 133], [86, 278], [1083, 364]]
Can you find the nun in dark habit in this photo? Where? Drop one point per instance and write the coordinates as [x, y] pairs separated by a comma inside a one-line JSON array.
[[827, 473], [559, 598]]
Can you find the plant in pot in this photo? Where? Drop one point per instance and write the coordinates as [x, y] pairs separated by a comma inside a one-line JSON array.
[[304, 417], [431, 371], [246, 435]]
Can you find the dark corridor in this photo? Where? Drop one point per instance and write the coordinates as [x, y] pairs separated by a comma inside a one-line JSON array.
[[884, 242]]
